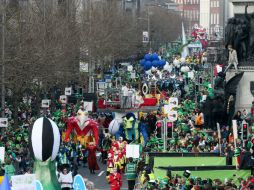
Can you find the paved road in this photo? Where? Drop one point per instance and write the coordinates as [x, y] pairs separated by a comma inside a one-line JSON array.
[[99, 178]]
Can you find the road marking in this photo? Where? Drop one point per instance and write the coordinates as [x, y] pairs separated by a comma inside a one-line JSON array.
[[101, 173]]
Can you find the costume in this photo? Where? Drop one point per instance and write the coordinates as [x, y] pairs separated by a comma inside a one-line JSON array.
[[115, 180], [82, 125], [92, 161]]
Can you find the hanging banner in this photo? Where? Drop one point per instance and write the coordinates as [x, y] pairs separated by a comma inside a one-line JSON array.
[[45, 103], [63, 99], [234, 124], [67, 91], [218, 129], [145, 37], [3, 122]]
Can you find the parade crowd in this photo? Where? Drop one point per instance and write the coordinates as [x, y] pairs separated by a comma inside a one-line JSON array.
[[193, 132]]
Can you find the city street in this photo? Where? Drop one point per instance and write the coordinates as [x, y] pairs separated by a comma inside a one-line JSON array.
[[99, 178]]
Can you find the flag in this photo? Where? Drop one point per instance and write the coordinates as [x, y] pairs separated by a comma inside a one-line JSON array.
[[185, 51], [5, 183]]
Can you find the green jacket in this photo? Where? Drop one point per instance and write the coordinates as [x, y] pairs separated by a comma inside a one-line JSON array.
[[131, 172]]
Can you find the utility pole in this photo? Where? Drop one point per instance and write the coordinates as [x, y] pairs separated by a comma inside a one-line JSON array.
[[3, 62], [148, 27]]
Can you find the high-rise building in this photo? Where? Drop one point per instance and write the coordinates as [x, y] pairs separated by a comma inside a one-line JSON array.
[[206, 13]]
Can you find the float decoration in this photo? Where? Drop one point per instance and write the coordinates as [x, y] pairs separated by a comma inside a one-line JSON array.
[[86, 130], [45, 141]]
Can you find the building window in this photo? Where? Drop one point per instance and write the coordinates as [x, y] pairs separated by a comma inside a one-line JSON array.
[[218, 18], [212, 18], [218, 3]]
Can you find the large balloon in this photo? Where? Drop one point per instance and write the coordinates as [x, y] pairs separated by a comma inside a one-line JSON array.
[[148, 57], [142, 62], [148, 65], [45, 139], [113, 127], [155, 63], [155, 57], [162, 63]]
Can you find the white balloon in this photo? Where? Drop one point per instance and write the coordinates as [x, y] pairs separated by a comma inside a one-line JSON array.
[[148, 72], [176, 62], [185, 69], [182, 60], [153, 69], [166, 66], [113, 127]]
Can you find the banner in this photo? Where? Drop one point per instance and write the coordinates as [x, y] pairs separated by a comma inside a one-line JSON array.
[[132, 150], [2, 153], [218, 129], [234, 124], [67, 91], [24, 182], [45, 103], [145, 37], [3, 122]]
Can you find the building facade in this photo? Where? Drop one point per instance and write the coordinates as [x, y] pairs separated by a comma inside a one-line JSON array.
[[206, 13]]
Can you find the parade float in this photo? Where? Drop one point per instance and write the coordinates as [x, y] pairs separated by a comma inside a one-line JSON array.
[[85, 129]]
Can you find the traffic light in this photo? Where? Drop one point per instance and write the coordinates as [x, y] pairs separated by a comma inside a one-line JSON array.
[[158, 124], [170, 129], [244, 131]]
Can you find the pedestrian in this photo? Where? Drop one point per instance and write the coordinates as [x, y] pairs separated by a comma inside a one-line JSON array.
[[125, 95], [115, 180], [65, 179], [92, 160], [131, 173], [232, 59]]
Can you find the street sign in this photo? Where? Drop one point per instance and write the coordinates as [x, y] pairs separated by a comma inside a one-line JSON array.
[[145, 37], [45, 103], [3, 122], [68, 91], [173, 102], [172, 116]]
